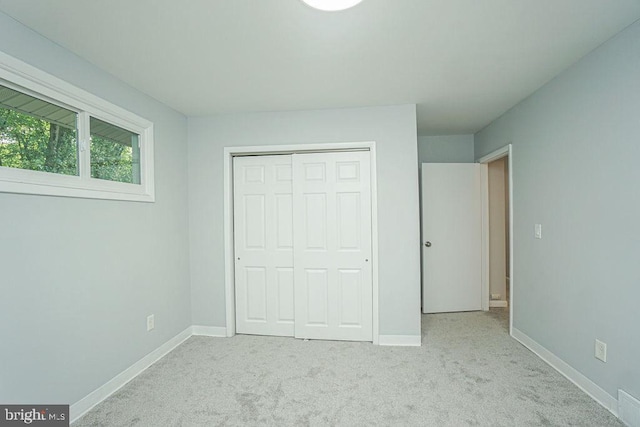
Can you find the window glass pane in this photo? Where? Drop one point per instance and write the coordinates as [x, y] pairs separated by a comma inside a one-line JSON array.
[[37, 135], [115, 153]]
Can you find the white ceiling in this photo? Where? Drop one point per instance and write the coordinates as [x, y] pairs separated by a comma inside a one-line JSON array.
[[464, 62]]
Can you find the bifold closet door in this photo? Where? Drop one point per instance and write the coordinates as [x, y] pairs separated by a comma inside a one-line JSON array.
[[263, 234], [332, 246]]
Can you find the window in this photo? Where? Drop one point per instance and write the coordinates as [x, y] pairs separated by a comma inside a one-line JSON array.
[[56, 139], [115, 153], [37, 135]]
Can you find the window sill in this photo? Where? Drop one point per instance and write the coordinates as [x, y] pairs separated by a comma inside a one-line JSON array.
[[47, 184]]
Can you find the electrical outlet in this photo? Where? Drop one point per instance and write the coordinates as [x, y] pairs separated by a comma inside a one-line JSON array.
[[601, 350], [537, 231], [151, 323], [495, 296]]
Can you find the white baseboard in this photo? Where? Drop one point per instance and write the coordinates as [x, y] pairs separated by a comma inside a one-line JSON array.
[[498, 303], [209, 331], [585, 384], [84, 405], [628, 409], [400, 340]]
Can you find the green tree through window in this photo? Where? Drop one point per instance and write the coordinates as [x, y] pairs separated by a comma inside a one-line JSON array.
[[115, 155], [27, 142], [40, 136]]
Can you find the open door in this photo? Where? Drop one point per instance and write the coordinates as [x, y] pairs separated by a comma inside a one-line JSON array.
[[451, 237]]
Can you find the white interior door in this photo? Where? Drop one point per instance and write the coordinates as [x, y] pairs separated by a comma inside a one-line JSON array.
[[263, 233], [451, 237], [332, 246]]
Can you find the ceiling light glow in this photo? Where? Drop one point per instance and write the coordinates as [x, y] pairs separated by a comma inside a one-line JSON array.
[[331, 5]]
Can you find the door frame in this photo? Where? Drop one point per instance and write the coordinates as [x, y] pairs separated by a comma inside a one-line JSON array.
[[230, 153], [507, 152]]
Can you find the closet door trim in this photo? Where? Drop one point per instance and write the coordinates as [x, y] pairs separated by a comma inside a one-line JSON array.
[[229, 153]]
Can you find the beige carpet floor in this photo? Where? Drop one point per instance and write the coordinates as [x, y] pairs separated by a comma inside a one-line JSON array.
[[467, 372]]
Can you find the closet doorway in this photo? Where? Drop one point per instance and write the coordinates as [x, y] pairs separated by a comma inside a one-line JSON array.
[[303, 243]]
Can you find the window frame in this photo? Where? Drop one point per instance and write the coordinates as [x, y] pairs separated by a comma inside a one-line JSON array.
[[32, 81]]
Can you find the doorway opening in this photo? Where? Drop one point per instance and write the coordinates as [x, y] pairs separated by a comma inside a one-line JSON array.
[[498, 235]]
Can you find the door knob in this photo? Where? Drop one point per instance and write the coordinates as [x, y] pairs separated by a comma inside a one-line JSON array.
[[427, 244]]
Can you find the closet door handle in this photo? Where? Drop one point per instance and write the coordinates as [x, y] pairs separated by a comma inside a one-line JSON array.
[[427, 244]]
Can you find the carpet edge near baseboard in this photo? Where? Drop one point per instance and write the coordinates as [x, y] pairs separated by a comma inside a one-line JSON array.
[[84, 405], [596, 392]]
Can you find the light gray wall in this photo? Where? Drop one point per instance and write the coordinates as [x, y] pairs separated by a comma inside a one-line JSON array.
[[576, 152], [78, 276], [394, 131], [445, 149]]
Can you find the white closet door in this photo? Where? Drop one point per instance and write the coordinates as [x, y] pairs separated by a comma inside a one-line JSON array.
[[332, 246], [263, 230]]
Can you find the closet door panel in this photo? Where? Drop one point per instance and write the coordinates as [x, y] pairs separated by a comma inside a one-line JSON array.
[[332, 246], [263, 240]]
